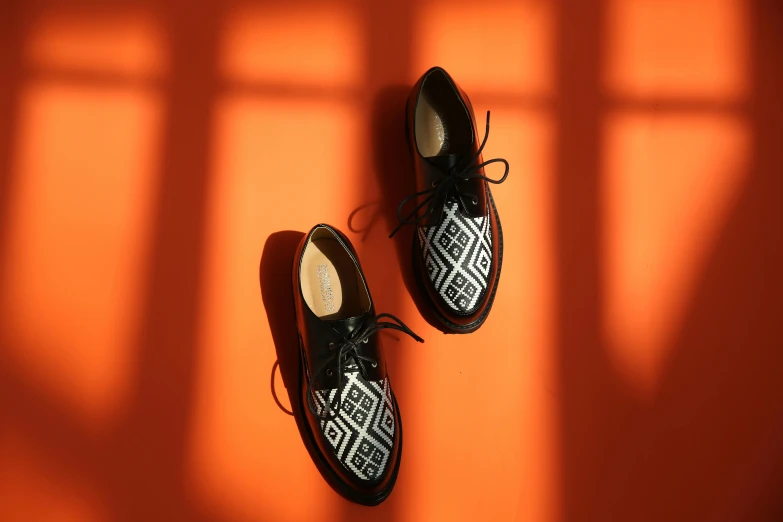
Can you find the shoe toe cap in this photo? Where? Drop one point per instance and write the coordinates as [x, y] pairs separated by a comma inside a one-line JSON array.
[[363, 435], [457, 259]]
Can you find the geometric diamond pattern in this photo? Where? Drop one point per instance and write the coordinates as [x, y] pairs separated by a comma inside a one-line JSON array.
[[362, 433], [458, 257]]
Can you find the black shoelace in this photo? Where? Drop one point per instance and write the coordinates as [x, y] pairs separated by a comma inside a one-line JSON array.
[[453, 178], [344, 351]]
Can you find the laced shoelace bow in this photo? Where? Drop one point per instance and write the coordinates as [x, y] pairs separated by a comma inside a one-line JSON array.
[[452, 178], [346, 349]]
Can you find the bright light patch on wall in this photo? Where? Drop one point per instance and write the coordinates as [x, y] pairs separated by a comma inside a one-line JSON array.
[[669, 188], [487, 47], [79, 224], [676, 48], [240, 460], [305, 46]]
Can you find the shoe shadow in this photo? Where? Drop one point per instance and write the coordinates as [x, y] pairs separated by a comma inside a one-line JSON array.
[[274, 276], [394, 171]]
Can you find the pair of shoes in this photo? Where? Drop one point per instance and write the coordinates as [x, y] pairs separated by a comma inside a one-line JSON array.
[[346, 410]]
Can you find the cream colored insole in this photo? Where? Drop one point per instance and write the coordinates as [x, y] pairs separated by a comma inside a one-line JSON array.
[[432, 137], [329, 280]]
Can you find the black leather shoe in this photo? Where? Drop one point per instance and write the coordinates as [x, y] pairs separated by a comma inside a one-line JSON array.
[[346, 413], [458, 245]]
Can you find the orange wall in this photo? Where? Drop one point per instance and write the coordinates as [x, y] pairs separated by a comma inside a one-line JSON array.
[[630, 369]]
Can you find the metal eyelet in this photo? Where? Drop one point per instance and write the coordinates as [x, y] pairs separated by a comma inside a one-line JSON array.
[[331, 346], [375, 365], [474, 201], [329, 372], [433, 183], [366, 341]]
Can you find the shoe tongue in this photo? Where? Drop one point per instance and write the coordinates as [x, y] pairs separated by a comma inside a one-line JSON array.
[[345, 327], [445, 162]]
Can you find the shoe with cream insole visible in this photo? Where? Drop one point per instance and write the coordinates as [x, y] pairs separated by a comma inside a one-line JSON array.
[[458, 244], [346, 413]]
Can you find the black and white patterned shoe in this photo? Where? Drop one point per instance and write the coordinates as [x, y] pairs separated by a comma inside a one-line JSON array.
[[458, 245], [346, 413]]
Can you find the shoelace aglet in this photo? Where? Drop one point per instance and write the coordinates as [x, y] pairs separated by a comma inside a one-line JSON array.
[[396, 229]]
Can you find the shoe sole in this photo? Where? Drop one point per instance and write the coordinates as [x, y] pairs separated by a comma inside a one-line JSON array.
[[320, 460], [449, 325]]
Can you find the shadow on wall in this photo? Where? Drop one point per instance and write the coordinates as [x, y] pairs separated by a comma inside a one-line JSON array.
[[137, 468], [138, 465], [708, 446], [276, 281]]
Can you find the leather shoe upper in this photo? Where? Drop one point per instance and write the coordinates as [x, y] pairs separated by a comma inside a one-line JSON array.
[[458, 246], [345, 393]]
